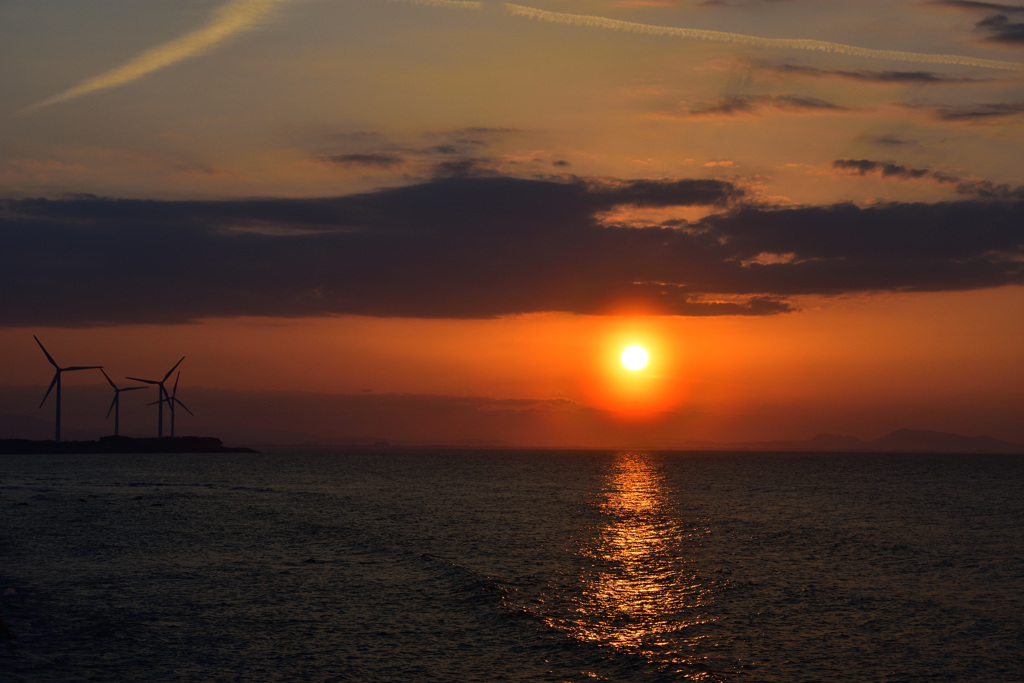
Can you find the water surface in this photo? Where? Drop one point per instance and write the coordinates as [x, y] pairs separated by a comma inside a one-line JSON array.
[[386, 565]]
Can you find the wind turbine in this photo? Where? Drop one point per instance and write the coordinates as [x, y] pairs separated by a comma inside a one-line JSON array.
[[115, 405], [56, 382], [172, 399], [163, 394]]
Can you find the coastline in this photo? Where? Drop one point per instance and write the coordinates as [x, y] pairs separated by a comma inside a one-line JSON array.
[[123, 444]]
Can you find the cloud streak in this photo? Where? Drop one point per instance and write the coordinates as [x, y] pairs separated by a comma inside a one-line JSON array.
[[598, 22], [749, 104], [891, 77], [966, 186], [231, 19], [1002, 29], [239, 16]]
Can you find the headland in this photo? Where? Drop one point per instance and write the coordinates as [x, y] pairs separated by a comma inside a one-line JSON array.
[[123, 444]]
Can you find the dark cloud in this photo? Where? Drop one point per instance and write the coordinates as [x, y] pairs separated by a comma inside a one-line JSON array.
[[974, 5], [374, 150], [380, 160], [885, 168], [470, 246], [911, 247], [898, 77], [748, 104], [650, 193], [979, 112], [736, 3], [989, 190], [1002, 30], [890, 140], [974, 188], [465, 168]]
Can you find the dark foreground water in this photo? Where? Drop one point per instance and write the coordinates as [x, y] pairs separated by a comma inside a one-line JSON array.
[[512, 566]]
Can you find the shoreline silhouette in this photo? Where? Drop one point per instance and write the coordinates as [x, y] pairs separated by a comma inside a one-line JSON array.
[[123, 444]]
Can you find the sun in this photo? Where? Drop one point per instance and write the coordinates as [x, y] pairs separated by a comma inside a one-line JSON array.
[[634, 358]]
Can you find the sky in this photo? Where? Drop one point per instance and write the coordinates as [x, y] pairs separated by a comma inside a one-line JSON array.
[[442, 221]]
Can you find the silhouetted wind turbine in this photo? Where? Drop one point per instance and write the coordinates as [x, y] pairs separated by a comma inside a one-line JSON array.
[[56, 382], [115, 405], [172, 399], [163, 394]]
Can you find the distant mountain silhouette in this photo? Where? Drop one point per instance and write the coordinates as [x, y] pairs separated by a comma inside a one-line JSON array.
[[921, 440], [837, 442], [899, 441]]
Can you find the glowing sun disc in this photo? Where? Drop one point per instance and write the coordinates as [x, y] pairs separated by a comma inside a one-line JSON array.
[[634, 358]]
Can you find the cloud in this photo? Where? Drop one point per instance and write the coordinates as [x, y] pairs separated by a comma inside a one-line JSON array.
[[605, 23], [989, 190], [885, 168], [973, 5], [451, 4], [734, 3], [865, 75], [646, 3], [477, 247], [239, 16], [231, 19], [466, 168], [379, 160], [1002, 29], [376, 148], [974, 188], [749, 104], [891, 140], [979, 112]]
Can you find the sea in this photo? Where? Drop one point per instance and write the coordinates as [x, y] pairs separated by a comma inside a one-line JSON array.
[[511, 565]]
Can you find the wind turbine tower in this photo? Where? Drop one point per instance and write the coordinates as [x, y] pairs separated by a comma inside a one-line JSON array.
[[56, 382], [115, 405], [173, 399], [162, 398]]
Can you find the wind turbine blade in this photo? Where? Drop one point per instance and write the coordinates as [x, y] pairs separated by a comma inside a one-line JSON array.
[[147, 381], [110, 381], [174, 391], [173, 369], [111, 408], [131, 388], [84, 367], [56, 376], [48, 356], [178, 401]]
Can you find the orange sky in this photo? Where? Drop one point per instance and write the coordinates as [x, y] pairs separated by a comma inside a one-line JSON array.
[[440, 220], [865, 365]]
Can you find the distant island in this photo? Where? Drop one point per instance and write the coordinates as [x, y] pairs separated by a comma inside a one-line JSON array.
[[899, 441], [123, 444]]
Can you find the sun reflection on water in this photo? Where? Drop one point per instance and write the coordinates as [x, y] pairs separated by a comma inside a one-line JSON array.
[[638, 591]]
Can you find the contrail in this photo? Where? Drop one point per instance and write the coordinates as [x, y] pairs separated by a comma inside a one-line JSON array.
[[241, 15], [590, 21], [454, 4], [233, 18]]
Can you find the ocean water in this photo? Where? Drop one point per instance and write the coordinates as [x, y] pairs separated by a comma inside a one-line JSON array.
[[392, 565]]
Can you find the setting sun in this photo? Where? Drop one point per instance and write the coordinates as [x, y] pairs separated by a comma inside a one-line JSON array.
[[634, 358]]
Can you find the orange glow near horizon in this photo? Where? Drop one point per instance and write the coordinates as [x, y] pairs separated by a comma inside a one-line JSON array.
[[863, 365], [633, 390]]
